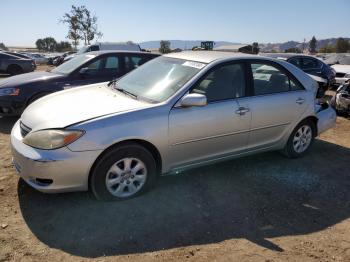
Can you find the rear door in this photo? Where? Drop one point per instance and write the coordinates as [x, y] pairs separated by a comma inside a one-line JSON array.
[[277, 100]]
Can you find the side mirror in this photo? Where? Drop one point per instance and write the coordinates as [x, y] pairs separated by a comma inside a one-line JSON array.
[[193, 100]]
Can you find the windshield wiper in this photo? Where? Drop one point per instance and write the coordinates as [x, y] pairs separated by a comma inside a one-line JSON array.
[[125, 92]]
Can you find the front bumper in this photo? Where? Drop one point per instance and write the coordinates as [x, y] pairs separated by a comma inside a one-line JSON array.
[[51, 171], [9, 107]]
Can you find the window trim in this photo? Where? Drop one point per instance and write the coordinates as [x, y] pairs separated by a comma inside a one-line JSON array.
[[279, 67], [242, 62]]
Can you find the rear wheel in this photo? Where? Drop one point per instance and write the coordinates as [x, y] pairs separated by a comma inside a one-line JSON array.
[[300, 140], [122, 173], [14, 70]]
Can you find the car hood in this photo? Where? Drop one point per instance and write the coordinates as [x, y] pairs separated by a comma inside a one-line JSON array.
[[342, 68], [65, 108], [18, 80]]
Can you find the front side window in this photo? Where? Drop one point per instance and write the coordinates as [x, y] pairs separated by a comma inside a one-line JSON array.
[[225, 82], [71, 65], [269, 79], [160, 78]]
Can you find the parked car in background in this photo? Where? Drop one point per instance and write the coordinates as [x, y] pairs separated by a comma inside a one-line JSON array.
[[39, 59], [16, 93], [341, 65], [18, 54], [341, 100], [126, 46], [176, 112], [13, 65], [59, 59], [317, 69]]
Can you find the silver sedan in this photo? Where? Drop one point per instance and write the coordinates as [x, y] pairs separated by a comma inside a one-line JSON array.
[[176, 112]]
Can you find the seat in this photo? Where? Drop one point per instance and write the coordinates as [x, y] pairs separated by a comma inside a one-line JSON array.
[[220, 87]]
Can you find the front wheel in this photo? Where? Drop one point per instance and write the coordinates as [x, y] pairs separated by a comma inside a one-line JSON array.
[[123, 172], [300, 140]]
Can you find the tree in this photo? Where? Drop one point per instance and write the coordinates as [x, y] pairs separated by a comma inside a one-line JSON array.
[[82, 25], [293, 50], [47, 44], [327, 49], [255, 48], [63, 46], [3, 47], [88, 24], [342, 45], [164, 47], [313, 45], [73, 19]]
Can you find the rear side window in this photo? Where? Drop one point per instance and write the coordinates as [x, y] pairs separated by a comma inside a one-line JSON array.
[[309, 63], [134, 61], [224, 82], [296, 61], [269, 79]]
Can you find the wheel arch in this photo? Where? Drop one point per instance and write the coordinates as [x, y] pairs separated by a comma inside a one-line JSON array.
[[14, 65], [146, 144]]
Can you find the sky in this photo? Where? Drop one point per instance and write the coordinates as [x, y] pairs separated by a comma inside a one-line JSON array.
[[22, 22]]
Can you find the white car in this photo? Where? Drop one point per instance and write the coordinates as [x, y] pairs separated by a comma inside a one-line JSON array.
[[342, 73], [125, 46]]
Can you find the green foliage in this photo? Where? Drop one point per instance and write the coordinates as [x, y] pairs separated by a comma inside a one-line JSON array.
[[3, 47], [164, 47], [293, 50], [313, 45], [342, 45], [47, 44], [327, 49], [63, 46], [82, 25]]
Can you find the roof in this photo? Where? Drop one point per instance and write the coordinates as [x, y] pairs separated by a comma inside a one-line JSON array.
[[207, 56], [96, 53], [283, 55]]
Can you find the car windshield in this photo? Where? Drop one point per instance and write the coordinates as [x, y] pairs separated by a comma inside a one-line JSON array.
[[69, 66], [160, 78]]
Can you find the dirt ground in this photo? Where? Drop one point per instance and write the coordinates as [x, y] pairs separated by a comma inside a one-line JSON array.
[[258, 208]]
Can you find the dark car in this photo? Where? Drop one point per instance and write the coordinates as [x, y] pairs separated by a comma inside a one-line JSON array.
[[318, 70], [17, 92], [13, 64], [56, 61]]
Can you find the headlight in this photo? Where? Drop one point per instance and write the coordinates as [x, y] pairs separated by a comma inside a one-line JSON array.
[[52, 138], [9, 91]]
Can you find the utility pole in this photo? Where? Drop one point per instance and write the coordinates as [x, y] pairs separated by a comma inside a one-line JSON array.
[[304, 45]]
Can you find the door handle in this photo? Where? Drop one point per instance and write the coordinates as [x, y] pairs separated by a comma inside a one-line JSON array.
[[242, 110], [300, 101]]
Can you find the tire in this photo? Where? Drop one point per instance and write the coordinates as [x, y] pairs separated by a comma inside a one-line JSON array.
[[14, 70], [291, 148], [111, 179]]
